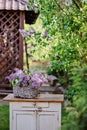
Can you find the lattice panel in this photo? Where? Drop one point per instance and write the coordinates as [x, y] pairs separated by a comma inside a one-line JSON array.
[[9, 43]]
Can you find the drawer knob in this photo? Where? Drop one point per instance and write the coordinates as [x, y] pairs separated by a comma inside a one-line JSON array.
[[39, 109]]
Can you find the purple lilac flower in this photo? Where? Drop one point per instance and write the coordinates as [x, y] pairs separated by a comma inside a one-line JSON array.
[[45, 33], [10, 77], [17, 74], [22, 79], [43, 78], [33, 85], [37, 80], [25, 80], [24, 33]]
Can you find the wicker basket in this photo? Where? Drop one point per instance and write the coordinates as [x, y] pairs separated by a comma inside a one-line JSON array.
[[25, 92]]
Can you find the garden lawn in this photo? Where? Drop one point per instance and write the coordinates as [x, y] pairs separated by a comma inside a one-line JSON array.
[[4, 117]]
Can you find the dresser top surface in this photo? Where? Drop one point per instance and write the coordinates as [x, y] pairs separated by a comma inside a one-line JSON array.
[[40, 98]]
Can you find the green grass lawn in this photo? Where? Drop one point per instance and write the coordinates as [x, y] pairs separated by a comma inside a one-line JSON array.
[[4, 117]]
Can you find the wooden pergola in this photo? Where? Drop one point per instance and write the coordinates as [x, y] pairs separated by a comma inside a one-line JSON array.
[[12, 16]]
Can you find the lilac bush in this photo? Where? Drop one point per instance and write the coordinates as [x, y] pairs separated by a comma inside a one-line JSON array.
[[22, 79]]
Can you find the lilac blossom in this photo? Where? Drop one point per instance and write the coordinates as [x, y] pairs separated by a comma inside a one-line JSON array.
[[45, 33], [12, 76], [37, 80], [22, 79], [24, 33], [27, 33]]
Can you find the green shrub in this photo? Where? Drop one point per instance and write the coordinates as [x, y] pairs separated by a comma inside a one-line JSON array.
[[77, 94]]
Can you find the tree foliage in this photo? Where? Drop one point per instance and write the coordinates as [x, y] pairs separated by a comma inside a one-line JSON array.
[[67, 27]]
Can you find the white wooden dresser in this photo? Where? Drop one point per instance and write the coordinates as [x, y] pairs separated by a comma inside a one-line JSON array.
[[41, 113]]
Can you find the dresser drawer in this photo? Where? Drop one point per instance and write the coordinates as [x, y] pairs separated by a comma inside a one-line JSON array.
[[22, 105], [28, 105]]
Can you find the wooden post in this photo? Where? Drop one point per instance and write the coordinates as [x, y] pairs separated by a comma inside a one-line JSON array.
[[22, 17]]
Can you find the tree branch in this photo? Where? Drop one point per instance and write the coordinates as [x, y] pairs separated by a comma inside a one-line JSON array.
[[78, 5], [60, 7]]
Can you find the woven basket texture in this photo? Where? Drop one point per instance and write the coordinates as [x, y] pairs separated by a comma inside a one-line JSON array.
[[25, 92]]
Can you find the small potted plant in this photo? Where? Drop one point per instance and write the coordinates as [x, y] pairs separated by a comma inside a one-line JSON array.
[[26, 85]]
